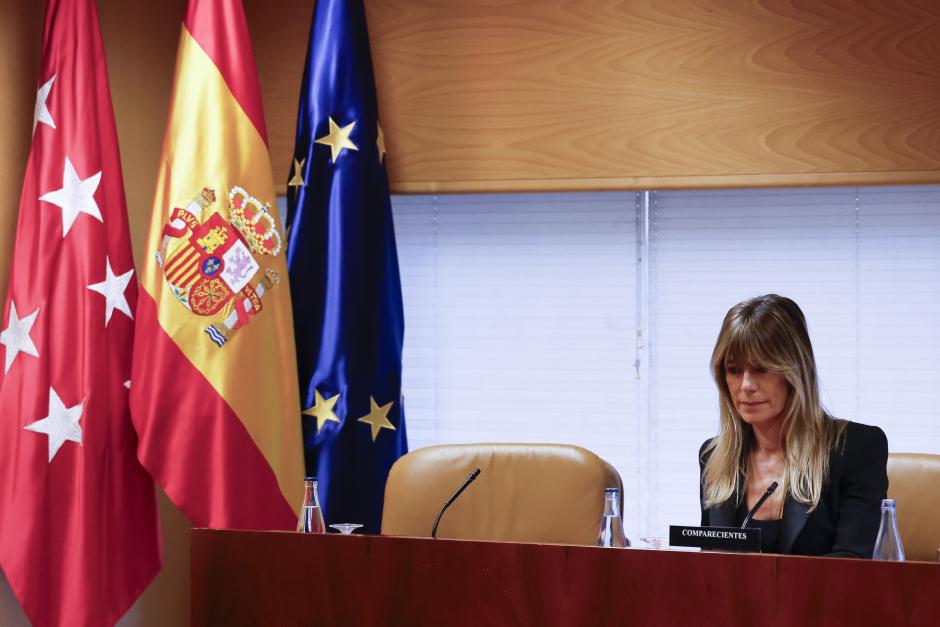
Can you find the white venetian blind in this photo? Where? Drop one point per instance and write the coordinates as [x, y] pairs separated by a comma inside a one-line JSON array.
[[520, 323], [899, 315]]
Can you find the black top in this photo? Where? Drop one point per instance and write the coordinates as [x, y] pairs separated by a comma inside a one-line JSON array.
[[769, 529], [845, 523]]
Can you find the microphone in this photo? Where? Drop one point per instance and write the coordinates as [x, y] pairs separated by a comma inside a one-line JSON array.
[[770, 490], [463, 486]]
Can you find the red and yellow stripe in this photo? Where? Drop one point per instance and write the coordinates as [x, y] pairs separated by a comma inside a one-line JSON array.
[[182, 267]]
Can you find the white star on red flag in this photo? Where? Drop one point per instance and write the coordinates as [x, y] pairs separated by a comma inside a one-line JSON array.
[[75, 196], [112, 288], [41, 113], [60, 425], [16, 336]]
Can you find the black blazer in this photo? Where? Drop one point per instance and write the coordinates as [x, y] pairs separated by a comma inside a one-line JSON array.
[[845, 523]]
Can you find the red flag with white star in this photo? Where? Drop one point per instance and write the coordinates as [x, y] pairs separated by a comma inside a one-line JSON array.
[[79, 538]]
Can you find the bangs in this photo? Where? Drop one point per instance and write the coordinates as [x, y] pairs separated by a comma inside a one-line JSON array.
[[747, 340]]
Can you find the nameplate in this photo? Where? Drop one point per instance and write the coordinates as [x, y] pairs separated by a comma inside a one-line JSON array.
[[716, 538]]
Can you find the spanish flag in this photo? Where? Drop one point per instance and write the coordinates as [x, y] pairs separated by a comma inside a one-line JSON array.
[[214, 382]]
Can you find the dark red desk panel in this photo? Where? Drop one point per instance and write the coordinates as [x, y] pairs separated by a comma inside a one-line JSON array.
[[272, 578], [860, 593]]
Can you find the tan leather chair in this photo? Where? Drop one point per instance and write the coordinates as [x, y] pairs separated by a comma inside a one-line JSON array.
[[914, 482], [544, 493]]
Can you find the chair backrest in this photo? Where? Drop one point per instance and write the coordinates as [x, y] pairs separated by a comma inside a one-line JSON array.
[[546, 493], [914, 483]]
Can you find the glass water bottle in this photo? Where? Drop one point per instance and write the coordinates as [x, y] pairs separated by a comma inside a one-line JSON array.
[[311, 518], [888, 545], [611, 528]]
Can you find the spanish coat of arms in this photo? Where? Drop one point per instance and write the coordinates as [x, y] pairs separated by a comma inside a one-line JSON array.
[[210, 259]]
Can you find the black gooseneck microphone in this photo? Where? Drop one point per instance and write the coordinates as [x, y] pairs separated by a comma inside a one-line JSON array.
[[463, 486], [770, 490]]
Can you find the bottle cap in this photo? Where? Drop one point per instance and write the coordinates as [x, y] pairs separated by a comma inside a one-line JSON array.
[[887, 504], [310, 478]]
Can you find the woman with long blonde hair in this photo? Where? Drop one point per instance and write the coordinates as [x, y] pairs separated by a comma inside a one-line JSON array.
[[830, 474]]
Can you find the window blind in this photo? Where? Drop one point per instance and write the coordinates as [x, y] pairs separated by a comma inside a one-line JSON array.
[[899, 315], [520, 314]]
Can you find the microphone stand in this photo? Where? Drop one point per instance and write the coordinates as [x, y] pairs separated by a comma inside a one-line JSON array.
[[770, 490], [463, 486]]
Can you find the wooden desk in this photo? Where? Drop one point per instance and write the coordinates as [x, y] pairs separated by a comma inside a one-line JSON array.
[[277, 578]]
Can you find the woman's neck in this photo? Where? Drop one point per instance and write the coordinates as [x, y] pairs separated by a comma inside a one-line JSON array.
[[768, 439]]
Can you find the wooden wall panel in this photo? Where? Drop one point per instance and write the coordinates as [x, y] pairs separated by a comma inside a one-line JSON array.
[[20, 37], [140, 40], [553, 94], [485, 95], [279, 31]]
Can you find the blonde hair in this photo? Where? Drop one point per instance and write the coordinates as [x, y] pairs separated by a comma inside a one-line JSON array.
[[770, 332]]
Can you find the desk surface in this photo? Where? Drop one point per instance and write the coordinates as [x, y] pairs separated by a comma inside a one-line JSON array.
[[279, 578]]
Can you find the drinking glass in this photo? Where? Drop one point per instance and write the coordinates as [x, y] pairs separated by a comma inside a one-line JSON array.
[[346, 528], [656, 542]]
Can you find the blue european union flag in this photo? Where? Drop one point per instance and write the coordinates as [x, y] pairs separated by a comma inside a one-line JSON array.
[[344, 276]]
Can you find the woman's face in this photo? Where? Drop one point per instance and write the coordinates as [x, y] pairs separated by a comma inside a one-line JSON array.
[[759, 396]]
